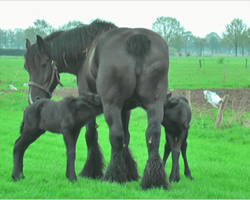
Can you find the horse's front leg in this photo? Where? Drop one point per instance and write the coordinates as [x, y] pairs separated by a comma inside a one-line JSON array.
[[94, 165], [70, 139], [116, 171], [131, 165], [154, 173]]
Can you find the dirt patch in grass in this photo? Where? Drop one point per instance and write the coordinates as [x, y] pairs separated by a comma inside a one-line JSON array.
[[238, 98]]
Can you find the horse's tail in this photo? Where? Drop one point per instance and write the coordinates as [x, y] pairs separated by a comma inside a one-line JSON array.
[[138, 46]]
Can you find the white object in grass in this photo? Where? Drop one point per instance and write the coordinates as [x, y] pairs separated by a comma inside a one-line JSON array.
[[212, 98]]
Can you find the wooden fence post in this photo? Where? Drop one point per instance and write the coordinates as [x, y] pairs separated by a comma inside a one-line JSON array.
[[221, 110], [188, 97], [246, 62], [200, 63], [224, 74]]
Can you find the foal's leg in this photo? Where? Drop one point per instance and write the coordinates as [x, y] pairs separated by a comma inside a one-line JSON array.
[[175, 148], [166, 152], [154, 173], [131, 165], [116, 171], [27, 137], [187, 171], [70, 139], [94, 164]]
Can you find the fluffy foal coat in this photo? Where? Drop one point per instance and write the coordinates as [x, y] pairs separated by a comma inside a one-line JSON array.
[[176, 121], [67, 116]]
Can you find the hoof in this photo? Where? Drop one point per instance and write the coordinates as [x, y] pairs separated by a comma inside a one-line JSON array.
[[94, 165], [18, 178], [154, 174], [115, 173], [131, 165]]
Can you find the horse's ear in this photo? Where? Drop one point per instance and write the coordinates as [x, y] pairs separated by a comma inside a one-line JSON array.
[[28, 44], [40, 44]]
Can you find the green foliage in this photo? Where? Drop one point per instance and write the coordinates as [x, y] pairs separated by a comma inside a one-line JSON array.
[[169, 28], [172, 51], [12, 52], [235, 34]]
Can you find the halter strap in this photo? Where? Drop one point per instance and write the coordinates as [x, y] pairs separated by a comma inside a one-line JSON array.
[[46, 89]]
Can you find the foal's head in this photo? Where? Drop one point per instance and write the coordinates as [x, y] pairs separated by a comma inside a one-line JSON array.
[[86, 106]]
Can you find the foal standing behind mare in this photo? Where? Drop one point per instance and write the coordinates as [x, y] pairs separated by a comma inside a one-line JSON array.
[[176, 121], [67, 116]]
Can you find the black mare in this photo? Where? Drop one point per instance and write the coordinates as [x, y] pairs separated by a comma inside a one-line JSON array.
[[122, 65]]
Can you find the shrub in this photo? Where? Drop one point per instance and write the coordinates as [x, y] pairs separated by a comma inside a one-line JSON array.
[[172, 51]]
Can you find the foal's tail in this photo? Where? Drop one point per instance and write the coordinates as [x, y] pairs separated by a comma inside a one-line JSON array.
[[138, 46]]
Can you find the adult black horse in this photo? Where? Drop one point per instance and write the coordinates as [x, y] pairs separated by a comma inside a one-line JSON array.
[[122, 65]]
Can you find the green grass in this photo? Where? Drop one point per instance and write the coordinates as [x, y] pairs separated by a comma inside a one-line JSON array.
[[218, 157], [185, 73]]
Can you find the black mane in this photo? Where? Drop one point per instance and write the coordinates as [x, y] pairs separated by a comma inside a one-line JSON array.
[[68, 45]]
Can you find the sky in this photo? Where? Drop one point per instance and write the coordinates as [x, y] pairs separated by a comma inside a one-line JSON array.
[[199, 17]]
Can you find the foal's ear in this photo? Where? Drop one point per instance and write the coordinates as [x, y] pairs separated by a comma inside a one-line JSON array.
[[28, 44], [169, 95], [97, 100], [40, 44]]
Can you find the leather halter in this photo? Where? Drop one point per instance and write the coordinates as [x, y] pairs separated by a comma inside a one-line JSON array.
[[46, 89]]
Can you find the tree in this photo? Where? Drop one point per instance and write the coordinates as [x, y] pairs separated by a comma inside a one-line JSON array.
[[70, 25], [11, 39], [19, 38], [5, 39], [234, 33], [169, 28], [213, 40], [1, 38], [43, 28], [30, 33], [200, 44], [188, 39], [178, 43]]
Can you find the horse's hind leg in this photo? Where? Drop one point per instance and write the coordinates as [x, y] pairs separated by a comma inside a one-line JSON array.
[[131, 165], [187, 171], [94, 165], [175, 148], [70, 139], [20, 146], [154, 174], [116, 171]]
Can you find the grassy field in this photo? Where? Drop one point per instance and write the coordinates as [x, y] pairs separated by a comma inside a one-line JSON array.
[[218, 157], [184, 73]]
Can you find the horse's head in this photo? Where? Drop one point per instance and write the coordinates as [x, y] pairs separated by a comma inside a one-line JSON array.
[[43, 74]]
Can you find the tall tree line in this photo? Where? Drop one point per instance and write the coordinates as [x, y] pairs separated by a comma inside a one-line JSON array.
[[235, 39], [16, 39]]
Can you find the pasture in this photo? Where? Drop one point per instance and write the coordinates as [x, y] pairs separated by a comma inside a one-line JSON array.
[[218, 157]]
